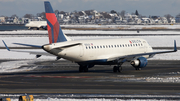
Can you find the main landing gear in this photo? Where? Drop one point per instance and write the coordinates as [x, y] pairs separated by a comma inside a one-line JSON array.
[[137, 68], [117, 69], [83, 68]]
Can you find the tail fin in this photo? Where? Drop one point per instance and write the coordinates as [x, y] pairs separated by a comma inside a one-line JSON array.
[[54, 30]]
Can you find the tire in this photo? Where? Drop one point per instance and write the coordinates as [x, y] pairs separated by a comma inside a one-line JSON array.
[[85, 69], [115, 69], [120, 69], [81, 69]]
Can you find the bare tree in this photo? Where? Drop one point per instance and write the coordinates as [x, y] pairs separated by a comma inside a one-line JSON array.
[[106, 15], [30, 16], [168, 16], [136, 13], [14, 15], [62, 12], [56, 11], [123, 13], [113, 11], [42, 15]]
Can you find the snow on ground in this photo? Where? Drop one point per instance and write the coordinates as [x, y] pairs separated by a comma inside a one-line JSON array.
[[155, 79], [25, 32], [118, 32], [94, 99], [154, 41], [123, 26], [87, 32], [13, 66]]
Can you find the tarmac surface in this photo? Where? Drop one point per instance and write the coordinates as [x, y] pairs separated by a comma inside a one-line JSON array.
[[160, 77]]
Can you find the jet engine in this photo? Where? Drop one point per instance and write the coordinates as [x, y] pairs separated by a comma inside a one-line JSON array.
[[141, 62]]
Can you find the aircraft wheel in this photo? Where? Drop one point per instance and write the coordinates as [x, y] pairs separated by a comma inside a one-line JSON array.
[[115, 69], [85, 69], [81, 69], [120, 69], [138, 68]]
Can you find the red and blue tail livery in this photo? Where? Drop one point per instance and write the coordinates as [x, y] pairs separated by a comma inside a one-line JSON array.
[[54, 30]]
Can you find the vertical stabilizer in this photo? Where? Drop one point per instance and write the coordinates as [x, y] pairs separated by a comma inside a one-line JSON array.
[[54, 30]]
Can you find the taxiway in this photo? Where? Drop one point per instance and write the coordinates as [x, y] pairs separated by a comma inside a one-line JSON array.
[[160, 77]]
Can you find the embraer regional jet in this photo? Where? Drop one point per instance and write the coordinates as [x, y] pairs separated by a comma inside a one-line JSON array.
[[88, 53]]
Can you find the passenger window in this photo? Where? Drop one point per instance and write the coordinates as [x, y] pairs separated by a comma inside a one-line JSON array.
[[125, 45], [117, 45], [112, 46], [92, 47], [106, 46], [89, 47], [109, 46], [86, 47], [95, 47], [120, 45], [103, 46], [100, 46]]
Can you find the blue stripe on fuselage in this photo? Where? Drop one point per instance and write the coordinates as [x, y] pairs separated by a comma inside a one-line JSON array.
[[95, 62]]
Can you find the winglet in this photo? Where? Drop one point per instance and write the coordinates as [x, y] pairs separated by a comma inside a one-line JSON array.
[[175, 48], [6, 45]]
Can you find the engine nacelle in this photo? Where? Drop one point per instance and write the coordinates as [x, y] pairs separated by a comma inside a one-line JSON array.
[[141, 62]]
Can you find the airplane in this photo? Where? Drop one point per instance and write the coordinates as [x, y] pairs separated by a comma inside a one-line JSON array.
[[88, 53]]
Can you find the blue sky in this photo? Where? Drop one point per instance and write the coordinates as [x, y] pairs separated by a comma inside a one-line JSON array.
[[144, 7]]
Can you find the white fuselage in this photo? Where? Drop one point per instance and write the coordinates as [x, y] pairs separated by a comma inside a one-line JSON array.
[[89, 50]]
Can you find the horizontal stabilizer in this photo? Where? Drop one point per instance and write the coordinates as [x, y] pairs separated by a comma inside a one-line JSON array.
[[6, 45], [175, 48], [28, 45], [30, 52]]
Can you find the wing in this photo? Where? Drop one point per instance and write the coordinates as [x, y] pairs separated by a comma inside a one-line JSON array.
[[135, 56]]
